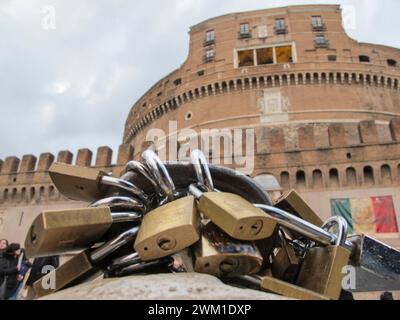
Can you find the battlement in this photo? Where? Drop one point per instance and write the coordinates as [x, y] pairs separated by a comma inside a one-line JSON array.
[[325, 135], [30, 164]]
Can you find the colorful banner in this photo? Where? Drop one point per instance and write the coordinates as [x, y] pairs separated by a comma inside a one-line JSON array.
[[367, 215]]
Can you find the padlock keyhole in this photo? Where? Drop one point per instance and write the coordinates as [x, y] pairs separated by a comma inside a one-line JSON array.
[[166, 244], [33, 235], [227, 266]]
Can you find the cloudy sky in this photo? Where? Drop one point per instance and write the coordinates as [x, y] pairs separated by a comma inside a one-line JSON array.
[[69, 82]]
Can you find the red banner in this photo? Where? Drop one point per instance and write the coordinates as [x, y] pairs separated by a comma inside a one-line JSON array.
[[385, 215]]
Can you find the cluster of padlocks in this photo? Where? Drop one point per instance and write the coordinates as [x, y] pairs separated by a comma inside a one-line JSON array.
[[194, 217]]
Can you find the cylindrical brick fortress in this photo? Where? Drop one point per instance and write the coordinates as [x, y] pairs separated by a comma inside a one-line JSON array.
[[325, 108]]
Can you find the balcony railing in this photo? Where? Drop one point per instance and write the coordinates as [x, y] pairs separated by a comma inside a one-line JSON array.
[[319, 27], [208, 42], [281, 30], [322, 44], [244, 35], [207, 59]]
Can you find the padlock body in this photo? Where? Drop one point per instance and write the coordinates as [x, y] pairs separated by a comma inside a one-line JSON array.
[[285, 264], [168, 230], [65, 275], [57, 232], [321, 270], [289, 290], [220, 255], [77, 183], [236, 216], [292, 202]]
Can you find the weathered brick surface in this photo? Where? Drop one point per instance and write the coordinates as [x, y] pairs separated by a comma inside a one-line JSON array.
[[104, 156], [65, 157], [84, 158], [28, 163], [45, 161]]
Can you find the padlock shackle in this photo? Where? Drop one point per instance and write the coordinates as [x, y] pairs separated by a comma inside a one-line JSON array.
[[183, 175], [125, 203], [202, 170], [306, 229], [125, 185], [122, 217], [141, 266], [160, 173], [113, 245], [342, 226], [138, 167], [196, 192], [125, 261]]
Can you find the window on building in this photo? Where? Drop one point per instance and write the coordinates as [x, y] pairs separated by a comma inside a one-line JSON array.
[[321, 41], [332, 57], [244, 30], [178, 82], [210, 54], [284, 54], [301, 179], [369, 178], [246, 58], [364, 59], [210, 37], [265, 56], [317, 23], [392, 63], [280, 26], [285, 179]]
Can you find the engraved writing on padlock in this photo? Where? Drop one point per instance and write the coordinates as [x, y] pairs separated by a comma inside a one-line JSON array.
[[322, 268], [220, 255], [83, 264], [236, 216], [168, 229], [57, 232]]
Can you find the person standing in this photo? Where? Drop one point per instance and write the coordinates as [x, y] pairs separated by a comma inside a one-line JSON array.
[[23, 266], [9, 271], [3, 263]]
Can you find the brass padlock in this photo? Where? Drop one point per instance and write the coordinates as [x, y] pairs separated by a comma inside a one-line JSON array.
[[168, 229], [57, 232], [289, 290], [222, 256], [269, 284], [292, 202], [285, 264], [322, 268], [88, 184], [233, 214], [80, 266]]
